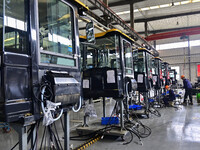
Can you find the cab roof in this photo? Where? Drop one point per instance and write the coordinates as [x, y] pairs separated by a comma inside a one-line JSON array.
[[144, 49], [97, 35], [158, 58]]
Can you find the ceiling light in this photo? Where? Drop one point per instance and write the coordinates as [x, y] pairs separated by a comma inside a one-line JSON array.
[[123, 12], [185, 2], [177, 3], [165, 5], [146, 8], [136, 10], [154, 7], [160, 6]]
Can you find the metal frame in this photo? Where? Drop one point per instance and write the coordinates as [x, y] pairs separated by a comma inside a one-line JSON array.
[[75, 54], [120, 3], [107, 11]]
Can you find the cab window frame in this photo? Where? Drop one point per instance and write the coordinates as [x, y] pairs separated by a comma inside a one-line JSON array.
[[74, 55]]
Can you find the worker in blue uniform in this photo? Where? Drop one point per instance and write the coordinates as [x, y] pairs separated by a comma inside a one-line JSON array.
[[188, 90], [169, 96]]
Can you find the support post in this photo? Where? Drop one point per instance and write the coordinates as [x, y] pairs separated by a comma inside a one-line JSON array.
[[22, 134], [132, 14], [104, 107], [146, 28], [66, 131], [189, 59], [154, 44], [139, 97], [105, 15], [121, 114], [146, 103], [127, 107]]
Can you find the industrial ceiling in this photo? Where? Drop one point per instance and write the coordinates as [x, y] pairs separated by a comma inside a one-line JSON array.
[[160, 15]]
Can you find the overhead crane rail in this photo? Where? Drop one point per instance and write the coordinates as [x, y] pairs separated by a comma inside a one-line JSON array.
[[107, 11]]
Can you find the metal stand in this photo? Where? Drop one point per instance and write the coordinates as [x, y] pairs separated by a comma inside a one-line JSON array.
[[127, 106], [86, 116], [22, 133], [139, 98], [104, 107], [96, 125], [66, 131], [121, 114], [146, 103]]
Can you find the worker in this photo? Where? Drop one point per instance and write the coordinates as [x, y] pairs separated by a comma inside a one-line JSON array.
[[188, 90], [169, 96]]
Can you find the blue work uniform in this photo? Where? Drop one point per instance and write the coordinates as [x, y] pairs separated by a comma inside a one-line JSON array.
[[188, 90], [170, 97]]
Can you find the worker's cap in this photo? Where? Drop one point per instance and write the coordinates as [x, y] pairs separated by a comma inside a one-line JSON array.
[[167, 86], [182, 76]]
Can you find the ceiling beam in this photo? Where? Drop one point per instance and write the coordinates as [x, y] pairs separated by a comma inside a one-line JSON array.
[[171, 34], [120, 3], [167, 30], [162, 17], [99, 19], [107, 11]]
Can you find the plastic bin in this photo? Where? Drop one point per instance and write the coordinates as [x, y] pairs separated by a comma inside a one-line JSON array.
[[151, 100], [109, 120], [198, 98], [135, 107]]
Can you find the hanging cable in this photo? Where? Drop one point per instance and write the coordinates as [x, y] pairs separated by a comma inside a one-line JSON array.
[[127, 90], [79, 107], [43, 108]]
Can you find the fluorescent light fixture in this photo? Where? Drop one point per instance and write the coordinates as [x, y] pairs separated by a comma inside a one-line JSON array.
[[185, 2], [146, 8], [154, 7], [177, 45], [177, 3], [123, 12], [136, 10], [164, 5], [159, 6]]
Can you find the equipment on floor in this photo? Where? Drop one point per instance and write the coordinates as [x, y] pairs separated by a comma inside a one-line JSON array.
[[108, 70], [107, 66], [40, 70], [157, 80], [172, 74], [143, 75], [165, 72]]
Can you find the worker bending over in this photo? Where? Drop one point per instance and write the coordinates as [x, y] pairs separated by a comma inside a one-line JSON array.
[[188, 90], [169, 96]]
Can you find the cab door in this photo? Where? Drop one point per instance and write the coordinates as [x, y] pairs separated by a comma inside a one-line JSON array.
[[16, 59]]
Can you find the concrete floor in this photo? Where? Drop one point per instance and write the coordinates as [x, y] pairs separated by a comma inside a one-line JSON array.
[[175, 130]]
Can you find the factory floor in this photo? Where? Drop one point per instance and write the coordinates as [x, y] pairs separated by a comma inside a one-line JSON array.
[[175, 130]]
